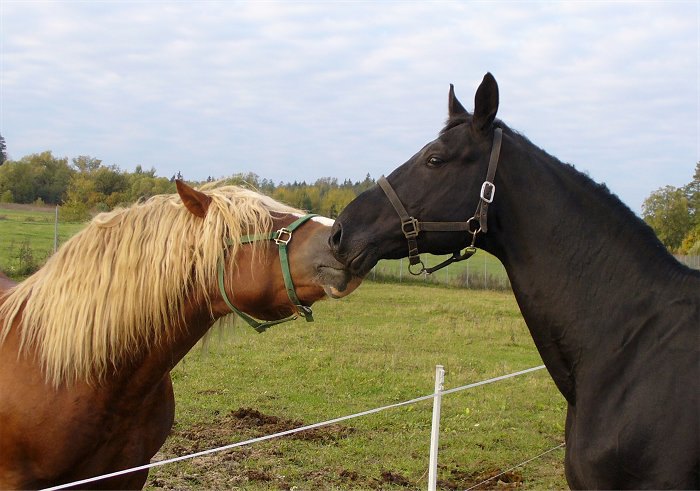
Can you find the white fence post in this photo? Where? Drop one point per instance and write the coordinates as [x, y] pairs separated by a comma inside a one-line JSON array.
[[435, 432]]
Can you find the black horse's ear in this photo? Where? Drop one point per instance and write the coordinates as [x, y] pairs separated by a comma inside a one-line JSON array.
[[454, 107], [195, 201], [485, 103]]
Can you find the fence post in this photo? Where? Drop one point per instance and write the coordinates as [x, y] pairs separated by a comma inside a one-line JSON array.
[[435, 431]]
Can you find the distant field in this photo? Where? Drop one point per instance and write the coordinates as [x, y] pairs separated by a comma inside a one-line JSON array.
[[481, 271], [379, 346], [28, 229], [23, 226]]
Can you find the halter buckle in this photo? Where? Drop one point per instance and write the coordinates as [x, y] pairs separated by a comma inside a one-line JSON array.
[[283, 236], [488, 191], [413, 231]]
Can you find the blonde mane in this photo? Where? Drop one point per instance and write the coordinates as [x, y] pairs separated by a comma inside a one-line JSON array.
[[119, 286]]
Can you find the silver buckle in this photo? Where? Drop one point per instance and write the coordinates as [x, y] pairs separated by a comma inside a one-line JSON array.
[[283, 236], [491, 188], [413, 230]]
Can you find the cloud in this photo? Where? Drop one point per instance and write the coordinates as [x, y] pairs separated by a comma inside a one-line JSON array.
[[305, 90]]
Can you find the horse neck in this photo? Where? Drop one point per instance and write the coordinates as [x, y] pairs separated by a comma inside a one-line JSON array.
[[156, 362], [580, 262]]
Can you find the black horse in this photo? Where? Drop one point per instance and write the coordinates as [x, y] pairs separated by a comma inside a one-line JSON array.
[[614, 316]]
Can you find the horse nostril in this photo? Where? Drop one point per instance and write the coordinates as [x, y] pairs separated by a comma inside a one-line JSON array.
[[336, 235]]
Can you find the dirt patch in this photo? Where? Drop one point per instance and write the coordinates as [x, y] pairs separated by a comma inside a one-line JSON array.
[[458, 479], [241, 466], [259, 466], [395, 478], [266, 424]]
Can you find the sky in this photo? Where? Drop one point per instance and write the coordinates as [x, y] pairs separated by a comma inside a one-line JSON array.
[[296, 91]]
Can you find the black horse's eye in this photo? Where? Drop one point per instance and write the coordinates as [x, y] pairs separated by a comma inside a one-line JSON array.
[[435, 161]]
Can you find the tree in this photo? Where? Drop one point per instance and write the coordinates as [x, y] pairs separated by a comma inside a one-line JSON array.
[[692, 191], [86, 164], [3, 150], [666, 211], [35, 176]]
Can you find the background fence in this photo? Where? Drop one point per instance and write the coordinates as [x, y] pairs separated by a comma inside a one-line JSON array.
[[481, 271], [29, 234]]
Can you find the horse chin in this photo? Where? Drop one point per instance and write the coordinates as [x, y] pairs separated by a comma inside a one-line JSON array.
[[337, 283], [350, 287]]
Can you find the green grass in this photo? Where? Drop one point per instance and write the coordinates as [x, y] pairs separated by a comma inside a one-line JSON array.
[[377, 347], [29, 229]]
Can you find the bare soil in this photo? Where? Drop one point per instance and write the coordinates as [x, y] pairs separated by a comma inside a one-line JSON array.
[[232, 469]]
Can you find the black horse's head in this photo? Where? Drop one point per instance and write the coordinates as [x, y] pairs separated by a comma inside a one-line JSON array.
[[440, 183]]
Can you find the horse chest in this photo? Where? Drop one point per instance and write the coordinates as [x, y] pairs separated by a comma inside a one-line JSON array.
[[79, 433]]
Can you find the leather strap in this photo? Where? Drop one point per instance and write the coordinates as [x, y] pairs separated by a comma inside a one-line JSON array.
[[282, 237], [488, 188]]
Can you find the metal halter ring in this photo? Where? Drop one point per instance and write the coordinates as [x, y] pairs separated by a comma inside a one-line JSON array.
[[422, 268], [469, 226]]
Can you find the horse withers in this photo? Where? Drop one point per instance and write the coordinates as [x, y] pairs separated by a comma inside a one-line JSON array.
[[614, 316], [87, 343]]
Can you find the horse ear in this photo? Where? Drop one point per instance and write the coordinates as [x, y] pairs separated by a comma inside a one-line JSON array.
[[195, 201], [454, 107], [485, 103]]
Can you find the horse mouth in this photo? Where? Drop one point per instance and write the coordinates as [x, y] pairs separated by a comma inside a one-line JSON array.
[[337, 281], [361, 264]]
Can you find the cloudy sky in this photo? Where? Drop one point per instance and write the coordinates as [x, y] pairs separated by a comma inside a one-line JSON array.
[[303, 90]]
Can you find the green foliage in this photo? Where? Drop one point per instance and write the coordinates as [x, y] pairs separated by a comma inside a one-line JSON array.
[[691, 243], [3, 150], [74, 210], [36, 176], [87, 185], [674, 213]]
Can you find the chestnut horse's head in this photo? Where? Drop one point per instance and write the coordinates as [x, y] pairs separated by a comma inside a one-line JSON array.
[[269, 275]]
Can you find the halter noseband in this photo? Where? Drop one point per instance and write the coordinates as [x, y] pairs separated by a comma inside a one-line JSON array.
[[282, 237], [411, 226]]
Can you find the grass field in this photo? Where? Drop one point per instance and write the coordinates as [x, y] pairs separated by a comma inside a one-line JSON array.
[[377, 347], [27, 236]]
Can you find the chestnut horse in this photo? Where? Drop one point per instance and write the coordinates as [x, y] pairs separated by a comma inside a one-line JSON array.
[[615, 317], [87, 343]]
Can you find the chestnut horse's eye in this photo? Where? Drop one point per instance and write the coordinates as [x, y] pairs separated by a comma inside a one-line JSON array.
[[435, 161]]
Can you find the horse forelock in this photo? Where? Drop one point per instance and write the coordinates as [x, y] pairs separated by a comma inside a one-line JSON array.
[[119, 286]]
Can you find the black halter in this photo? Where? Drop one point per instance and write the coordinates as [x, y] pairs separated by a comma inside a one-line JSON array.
[[411, 227]]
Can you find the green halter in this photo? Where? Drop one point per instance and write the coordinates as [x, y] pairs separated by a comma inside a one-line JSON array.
[[281, 238]]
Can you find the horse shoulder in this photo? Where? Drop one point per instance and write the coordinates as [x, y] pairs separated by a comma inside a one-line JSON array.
[[75, 432]]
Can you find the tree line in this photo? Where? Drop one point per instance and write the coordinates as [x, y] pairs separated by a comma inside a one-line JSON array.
[[85, 185], [674, 214]]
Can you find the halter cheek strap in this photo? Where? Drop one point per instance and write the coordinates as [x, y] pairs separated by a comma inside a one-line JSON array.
[[281, 237]]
